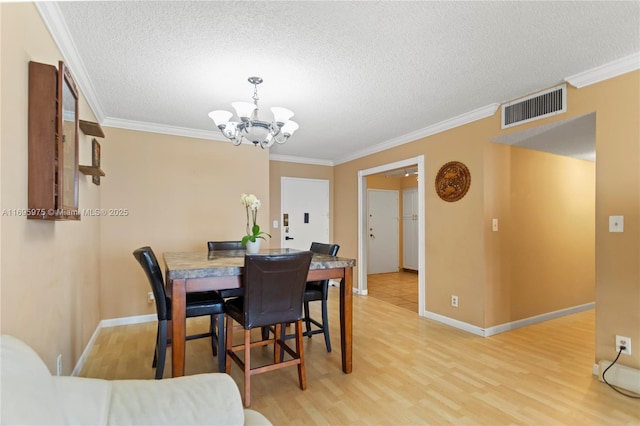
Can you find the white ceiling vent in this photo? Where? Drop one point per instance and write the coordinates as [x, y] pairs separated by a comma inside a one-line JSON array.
[[534, 107]]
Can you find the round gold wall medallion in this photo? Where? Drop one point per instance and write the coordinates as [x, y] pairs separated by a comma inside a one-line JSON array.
[[453, 181]]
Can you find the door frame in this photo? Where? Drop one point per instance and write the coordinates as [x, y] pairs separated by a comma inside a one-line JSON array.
[[362, 225]]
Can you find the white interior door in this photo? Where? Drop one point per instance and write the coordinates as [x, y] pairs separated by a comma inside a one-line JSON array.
[[304, 212], [382, 213]]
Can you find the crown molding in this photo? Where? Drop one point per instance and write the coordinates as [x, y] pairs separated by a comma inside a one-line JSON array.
[[50, 13], [163, 129], [605, 72], [302, 160], [477, 114]]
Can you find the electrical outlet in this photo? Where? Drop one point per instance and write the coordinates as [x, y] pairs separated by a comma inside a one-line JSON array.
[[59, 365], [150, 297], [454, 300], [623, 341]]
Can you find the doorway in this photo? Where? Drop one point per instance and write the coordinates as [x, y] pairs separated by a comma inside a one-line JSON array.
[[363, 234], [382, 215], [304, 218]]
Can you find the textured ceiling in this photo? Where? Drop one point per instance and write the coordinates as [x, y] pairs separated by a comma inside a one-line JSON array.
[[359, 75]]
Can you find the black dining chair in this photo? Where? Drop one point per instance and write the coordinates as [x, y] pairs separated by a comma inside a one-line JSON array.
[[273, 293], [198, 304], [225, 245], [212, 246], [319, 291]]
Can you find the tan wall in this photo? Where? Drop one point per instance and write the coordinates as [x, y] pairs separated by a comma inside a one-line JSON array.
[[280, 169], [462, 259], [459, 224], [552, 232], [542, 258], [382, 182], [180, 193], [497, 204], [409, 182], [617, 103], [50, 271]]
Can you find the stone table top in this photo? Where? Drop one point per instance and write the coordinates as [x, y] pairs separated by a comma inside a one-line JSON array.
[[219, 263]]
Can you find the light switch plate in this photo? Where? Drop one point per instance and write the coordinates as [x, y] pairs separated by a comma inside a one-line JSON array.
[[275, 224], [494, 225], [616, 223]]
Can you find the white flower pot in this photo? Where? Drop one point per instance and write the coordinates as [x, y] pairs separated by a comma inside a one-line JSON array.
[[253, 248]]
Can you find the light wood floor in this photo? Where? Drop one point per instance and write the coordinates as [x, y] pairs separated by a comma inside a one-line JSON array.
[[397, 288], [408, 370]]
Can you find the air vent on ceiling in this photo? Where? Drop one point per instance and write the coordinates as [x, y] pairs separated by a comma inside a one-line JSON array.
[[534, 107]]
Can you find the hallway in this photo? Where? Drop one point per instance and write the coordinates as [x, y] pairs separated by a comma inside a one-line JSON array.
[[397, 288]]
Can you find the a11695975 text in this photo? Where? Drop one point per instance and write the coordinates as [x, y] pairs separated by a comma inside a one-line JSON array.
[[58, 212]]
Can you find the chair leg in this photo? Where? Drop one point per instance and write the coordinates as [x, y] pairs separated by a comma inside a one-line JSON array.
[[302, 377], [155, 351], [229, 346], [247, 368], [307, 318], [222, 353], [325, 325], [278, 350], [162, 348], [214, 336]]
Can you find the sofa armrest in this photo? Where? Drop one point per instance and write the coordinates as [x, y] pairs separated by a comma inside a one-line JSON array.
[[83, 401], [28, 393], [203, 399], [254, 418]]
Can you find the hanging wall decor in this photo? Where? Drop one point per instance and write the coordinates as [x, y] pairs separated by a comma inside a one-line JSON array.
[[453, 181]]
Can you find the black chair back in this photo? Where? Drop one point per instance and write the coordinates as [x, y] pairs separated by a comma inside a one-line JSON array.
[[323, 248], [148, 261], [274, 287], [225, 245]]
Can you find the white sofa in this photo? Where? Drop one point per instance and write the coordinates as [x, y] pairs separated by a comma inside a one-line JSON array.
[[31, 395]]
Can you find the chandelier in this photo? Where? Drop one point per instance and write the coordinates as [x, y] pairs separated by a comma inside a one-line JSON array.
[[250, 127]]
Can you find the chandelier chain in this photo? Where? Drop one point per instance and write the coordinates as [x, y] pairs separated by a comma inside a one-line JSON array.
[[255, 94]]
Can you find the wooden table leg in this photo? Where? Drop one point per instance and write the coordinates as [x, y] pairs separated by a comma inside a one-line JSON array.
[[346, 319], [178, 308]]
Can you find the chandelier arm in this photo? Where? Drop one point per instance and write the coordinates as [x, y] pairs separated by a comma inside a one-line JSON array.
[[274, 129], [284, 139]]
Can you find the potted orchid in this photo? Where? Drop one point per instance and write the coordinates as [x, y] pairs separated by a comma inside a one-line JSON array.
[[251, 204]]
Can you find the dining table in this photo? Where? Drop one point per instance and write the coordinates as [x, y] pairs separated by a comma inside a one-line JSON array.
[[197, 271]]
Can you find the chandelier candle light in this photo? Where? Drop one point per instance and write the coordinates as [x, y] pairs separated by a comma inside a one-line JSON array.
[[252, 239], [250, 127]]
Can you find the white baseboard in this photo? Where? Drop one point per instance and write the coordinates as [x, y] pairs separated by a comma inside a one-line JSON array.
[[538, 318], [138, 319], [490, 331], [109, 323], [621, 376], [455, 323], [85, 353]]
